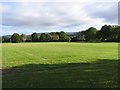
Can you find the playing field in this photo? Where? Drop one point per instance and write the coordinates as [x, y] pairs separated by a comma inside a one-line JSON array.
[[60, 65]]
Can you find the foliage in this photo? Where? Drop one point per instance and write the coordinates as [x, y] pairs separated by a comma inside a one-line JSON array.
[[15, 38], [43, 37], [90, 34], [48, 38], [81, 36], [6, 39], [54, 36], [107, 33], [63, 36], [34, 37]]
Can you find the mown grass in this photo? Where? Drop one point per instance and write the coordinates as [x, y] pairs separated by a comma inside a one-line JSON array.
[[60, 65]]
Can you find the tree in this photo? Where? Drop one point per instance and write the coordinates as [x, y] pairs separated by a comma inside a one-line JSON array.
[[90, 34], [15, 38], [23, 37], [5, 39], [48, 38], [34, 37], [81, 36], [98, 35], [43, 37], [114, 33], [105, 32], [63, 36], [55, 36], [68, 39]]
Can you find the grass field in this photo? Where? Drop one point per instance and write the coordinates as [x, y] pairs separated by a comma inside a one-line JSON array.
[[60, 65]]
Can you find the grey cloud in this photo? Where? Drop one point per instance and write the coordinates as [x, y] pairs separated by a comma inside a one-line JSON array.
[[58, 15], [107, 11]]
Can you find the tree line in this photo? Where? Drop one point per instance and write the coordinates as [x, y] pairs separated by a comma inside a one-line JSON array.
[[50, 37], [107, 33]]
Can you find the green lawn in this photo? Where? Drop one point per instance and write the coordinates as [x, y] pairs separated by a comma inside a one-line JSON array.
[[60, 65]]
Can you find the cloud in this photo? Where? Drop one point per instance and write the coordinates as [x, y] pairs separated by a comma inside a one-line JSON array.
[[46, 16], [108, 11]]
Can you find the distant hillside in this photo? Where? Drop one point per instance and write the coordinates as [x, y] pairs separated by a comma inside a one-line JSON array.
[[8, 36]]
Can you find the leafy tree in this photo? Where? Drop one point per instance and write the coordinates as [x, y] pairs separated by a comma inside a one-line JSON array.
[[90, 34], [55, 36], [48, 38], [63, 36], [15, 38], [57, 33], [98, 35], [43, 37], [68, 39], [114, 33], [34, 37], [81, 36], [5, 39], [105, 32], [23, 37]]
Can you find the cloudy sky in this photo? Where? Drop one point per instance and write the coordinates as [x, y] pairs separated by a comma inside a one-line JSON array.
[[27, 16]]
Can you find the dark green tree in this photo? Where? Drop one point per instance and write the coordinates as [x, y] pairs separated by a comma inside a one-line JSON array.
[[48, 38], [105, 32], [98, 36], [43, 37], [68, 39], [5, 39], [63, 37], [34, 37], [15, 38], [90, 34], [114, 33]]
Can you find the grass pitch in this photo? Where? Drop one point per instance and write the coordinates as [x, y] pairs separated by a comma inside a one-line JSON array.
[[60, 65]]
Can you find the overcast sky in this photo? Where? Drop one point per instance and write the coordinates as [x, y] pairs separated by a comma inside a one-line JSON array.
[[60, 15]]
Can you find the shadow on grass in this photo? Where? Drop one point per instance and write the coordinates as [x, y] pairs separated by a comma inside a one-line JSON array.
[[100, 74]]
